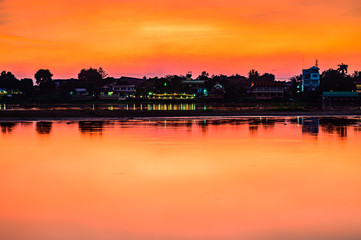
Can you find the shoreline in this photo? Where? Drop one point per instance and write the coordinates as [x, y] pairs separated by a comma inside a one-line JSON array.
[[36, 115]]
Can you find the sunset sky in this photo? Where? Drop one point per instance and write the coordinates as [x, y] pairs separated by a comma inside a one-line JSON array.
[[159, 37]]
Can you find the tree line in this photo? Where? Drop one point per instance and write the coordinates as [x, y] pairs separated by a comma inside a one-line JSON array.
[[235, 86]]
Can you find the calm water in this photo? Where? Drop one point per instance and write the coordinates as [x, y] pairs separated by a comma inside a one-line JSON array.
[[247, 178]]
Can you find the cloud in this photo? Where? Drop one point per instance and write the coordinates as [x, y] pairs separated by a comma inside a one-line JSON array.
[[3, 15]]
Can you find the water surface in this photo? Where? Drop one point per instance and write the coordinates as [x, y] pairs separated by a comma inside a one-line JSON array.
[[214, 178]]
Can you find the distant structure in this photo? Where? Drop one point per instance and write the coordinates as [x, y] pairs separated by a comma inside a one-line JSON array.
[[189, 76], [310, 78], [263, 90]]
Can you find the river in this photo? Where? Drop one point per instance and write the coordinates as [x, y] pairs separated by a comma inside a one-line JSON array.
[[192, 178]]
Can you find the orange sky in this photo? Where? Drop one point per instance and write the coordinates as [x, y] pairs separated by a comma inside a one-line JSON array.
[[159, 37]]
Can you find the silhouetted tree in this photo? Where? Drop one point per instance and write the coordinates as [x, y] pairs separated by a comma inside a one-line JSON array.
[[342, 68], [356, 75], [253, 75], [44, 81], [335, 80], [203, 76], [8, 81], [102, 73], [295, 85], [92, 79]]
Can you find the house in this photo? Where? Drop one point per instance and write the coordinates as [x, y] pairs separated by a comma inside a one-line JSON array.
[[310, 79], [341, 98], [263, 90], [132, 80], [118, 90]]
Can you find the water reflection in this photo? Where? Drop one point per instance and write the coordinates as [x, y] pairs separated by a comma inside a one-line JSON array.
[[91, 127], [7, 127], [310, 126], [44, 127], [339, 126], [185, 179]]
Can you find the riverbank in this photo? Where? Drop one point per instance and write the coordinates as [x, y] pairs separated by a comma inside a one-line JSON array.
[[8, 115]]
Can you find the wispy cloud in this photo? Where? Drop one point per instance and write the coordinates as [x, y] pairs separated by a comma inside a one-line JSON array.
[[3, 14]]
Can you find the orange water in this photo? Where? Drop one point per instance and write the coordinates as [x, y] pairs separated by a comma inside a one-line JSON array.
[[187, 179]]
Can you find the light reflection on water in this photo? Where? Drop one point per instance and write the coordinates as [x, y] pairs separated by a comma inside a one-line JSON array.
[[213, 178], [112, 106]]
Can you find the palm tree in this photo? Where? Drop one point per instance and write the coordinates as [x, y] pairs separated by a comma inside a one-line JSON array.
[[253, 75], [342, 68]]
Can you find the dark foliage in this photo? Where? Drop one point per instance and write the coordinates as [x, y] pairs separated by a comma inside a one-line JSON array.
[[44, 81], [8, 81], [92, 79]]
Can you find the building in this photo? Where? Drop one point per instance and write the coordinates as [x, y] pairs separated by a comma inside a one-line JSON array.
[[263, 90], [357, 83], [341, 97], [334, 100], [310, 79], [217, 92], [131, 81], [118, 90]]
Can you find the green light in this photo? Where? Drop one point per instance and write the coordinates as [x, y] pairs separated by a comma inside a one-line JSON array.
[[165, 84]]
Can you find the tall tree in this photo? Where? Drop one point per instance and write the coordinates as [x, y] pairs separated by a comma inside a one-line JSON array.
[[92, 79], [342, 68], [356, 75], [44, 81], [8, 81], [203, 76], [335, 80], [253, 75]]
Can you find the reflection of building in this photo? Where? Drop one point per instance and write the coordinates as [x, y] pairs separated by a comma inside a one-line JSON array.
[[310, 79], [267, 89], [310, 126]]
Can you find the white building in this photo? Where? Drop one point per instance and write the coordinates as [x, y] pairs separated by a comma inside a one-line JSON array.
[[310, 79]]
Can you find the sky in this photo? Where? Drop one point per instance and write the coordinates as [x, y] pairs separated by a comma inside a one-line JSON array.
[[160, 37]]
